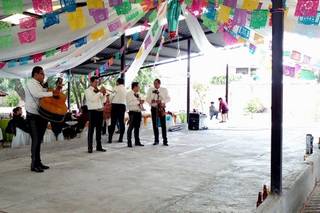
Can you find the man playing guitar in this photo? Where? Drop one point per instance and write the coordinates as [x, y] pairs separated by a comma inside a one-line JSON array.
[[157, 97]]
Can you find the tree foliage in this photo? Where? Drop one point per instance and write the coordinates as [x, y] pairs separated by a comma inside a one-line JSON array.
[[145, 78], [201, 95], [221, 79]]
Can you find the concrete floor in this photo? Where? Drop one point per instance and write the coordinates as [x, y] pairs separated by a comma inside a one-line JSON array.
[[218, 170]]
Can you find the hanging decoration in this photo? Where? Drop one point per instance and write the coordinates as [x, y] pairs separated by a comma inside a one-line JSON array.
[[173, 13], [50, 19], [259, 19], [306, 8], [28, 36], [95, 4], [6, 41], [27, 23], [99, 15], [69, 5], [12, 6], [42, 6], [76, 20]]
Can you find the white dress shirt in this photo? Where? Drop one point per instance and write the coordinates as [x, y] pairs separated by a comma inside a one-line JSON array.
[[119, 96], [34, 91], [94, 100], [163, 96], [133, 103]]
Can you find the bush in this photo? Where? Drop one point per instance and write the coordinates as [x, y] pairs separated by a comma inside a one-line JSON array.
[[12, 100], [183, 117], [221, 79], [255, 106]]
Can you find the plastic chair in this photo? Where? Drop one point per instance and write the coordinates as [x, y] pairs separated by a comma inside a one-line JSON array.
[[21, 138]]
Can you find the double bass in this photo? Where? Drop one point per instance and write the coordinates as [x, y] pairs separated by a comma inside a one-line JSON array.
[[54, 108]]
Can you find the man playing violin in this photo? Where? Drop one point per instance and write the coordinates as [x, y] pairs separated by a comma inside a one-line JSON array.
[[38, 125], [157, 97], [95, 98]]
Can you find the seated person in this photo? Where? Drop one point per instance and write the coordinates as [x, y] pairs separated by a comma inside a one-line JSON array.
[[213, 111], [17, 121]]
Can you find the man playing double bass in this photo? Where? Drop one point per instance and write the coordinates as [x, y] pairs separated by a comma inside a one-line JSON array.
[[38, 125], [157, 97]]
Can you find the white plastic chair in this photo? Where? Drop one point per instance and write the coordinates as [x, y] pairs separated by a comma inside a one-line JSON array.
[[49, 136], [21, 138]]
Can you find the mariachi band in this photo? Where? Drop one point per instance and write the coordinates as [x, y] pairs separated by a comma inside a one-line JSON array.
[[43, 105]]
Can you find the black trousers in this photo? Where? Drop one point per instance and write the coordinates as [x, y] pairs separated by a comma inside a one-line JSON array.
[[154, 115], [95, 122], [38, 126], [117, 114], [134, 123]]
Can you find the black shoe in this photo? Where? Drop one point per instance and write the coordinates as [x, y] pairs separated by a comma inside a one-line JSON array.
[[156, 143], [120, 141], [139, 144], [101, 150], [37, 169], [44, 167], [130, 145], [166, 144], [109, 141], [89, 150], [117, 132]]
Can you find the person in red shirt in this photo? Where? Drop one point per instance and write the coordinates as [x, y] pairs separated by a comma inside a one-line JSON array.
[[223, 108]]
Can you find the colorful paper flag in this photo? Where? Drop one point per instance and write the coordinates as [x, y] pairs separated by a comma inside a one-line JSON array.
[[139, 54], [37, 57], [50, 19], [27, 23], [306, 8], [12, 63], [129, 42], [6, 41], [295, 55], [288, 71], [230, 3], [95, 4], [99, 15], [42, 6], [50, 53], [147, 42], [259, 19], [113, 3], [10, 7], [250, 4], [28, 36], [24, 60], [252, 48], [223, 15], [65, 47], [152, 16], [76, 20], [306, 59], [80, 42], [240, 17], [115, 25], [258, 39], [97, 34], [133, 15], [155, 28], [2, 64], [229, 39], [135, 36], [244, 32], [123, 8], [211, 13], [5, 26], [69, 5]]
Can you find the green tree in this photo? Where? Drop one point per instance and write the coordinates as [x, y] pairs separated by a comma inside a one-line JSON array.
[[145, 77], [12, 99], [201, 93], [221, 79]]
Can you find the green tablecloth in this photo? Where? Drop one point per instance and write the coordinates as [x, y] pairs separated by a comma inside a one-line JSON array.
[[3, 125]]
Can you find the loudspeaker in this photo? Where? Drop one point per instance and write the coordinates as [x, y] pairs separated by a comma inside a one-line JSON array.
[[194, 120]]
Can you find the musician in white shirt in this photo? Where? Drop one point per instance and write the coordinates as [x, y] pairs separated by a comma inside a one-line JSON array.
[[157, 97], [95, 98], [134, 104], [118, 109], [34, 90]]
